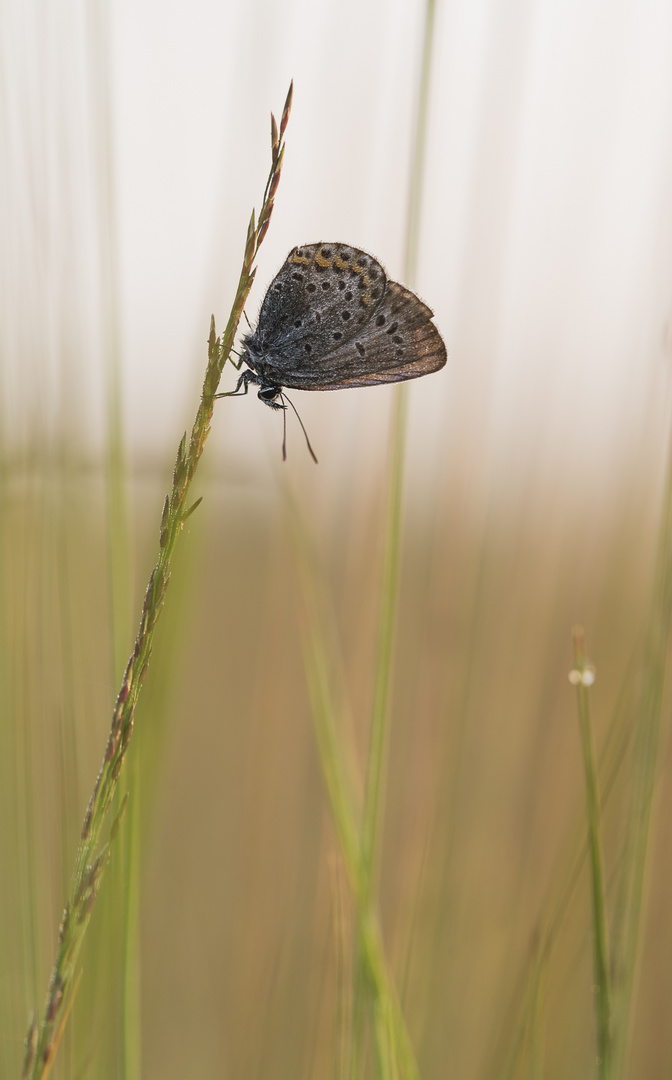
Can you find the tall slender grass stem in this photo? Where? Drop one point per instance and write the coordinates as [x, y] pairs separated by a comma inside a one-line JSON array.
[[644, 765], [418, 155], [373, 804], [93, 855], [583, 676], [373, 983]]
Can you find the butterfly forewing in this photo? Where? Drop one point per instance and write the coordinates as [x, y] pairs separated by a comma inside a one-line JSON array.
[[323, 296], [398, 342]]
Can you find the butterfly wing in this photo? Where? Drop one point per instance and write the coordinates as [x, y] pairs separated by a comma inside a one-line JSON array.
[[321, 298], [399, 342]]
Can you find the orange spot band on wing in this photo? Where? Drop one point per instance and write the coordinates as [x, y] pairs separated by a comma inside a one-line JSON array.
[[366, 280]]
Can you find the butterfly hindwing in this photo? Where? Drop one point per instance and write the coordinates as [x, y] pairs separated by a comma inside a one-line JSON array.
[[398, 342]]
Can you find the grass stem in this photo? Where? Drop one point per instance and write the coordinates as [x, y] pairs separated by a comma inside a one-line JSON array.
[[373, 808], [583, 677], [373, 983], [644, 767], [93, 854]]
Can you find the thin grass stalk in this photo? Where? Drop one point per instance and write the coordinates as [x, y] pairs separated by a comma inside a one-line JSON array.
[[392, 1043], [384, 1042], [524, 1011], [389, 585], [644, 749], [385, 999], [377, 762], [645, 758], [525, 1017], [334, 768], [118, 533], [536, 1040], [419, 152], [360, 842], [93, 855], [359, 1000], [379, 735], [583, 677], [130, 882], [374, 984], [343, 1022]]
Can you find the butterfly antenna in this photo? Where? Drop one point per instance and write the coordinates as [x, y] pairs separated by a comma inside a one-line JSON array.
[[310, 449], [247, 320], [284, 431]]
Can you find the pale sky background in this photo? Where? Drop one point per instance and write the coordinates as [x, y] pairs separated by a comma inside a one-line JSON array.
[[546, 246]]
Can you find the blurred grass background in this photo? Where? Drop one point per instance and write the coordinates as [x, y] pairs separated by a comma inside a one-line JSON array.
[[531, 502]]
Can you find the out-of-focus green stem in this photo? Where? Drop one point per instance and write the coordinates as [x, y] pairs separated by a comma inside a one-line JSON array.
[[418, 156], [583, 676], [388, 605], [645, 756], [374, 982]]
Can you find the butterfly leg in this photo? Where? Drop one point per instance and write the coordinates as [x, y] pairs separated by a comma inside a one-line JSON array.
[[244, 381], [240, 359]]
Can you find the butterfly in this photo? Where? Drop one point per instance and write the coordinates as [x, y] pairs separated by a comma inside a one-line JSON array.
[[332, 319]]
